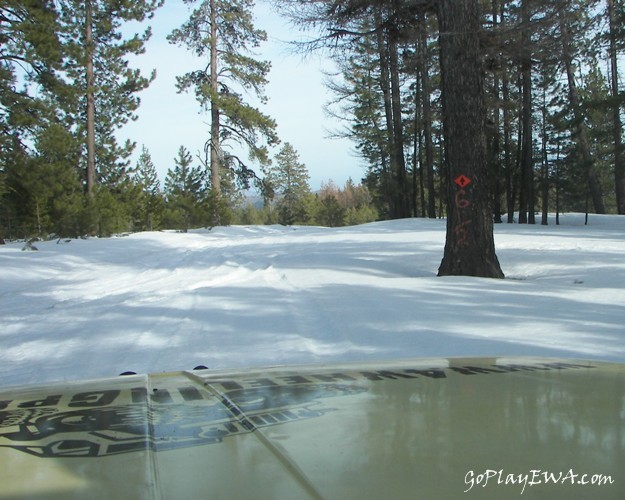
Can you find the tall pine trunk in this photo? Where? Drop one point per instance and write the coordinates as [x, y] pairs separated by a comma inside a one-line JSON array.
[[617, 126], [400, 177], [418, 202], [507, 134], [469, 245], [385, 87], [496, 142], [526, 190], [507, 150], [401, 182], [214, 140], [427, 117], [90, 94], [545, 159]]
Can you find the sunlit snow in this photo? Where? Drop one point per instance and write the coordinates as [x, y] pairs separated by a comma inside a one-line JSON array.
[[271, 295]]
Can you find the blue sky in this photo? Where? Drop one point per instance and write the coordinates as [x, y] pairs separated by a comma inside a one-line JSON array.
[[168, 120]]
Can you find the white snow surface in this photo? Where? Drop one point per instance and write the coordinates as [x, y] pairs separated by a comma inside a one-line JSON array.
[[249, 296]]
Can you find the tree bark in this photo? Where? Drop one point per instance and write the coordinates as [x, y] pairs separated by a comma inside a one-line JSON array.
[[214, 140], [417, 156], [400, 177], [469, 246], [526, 190], [427, 118], [90, 94], [496, 143], [385, 86], [545, 161], [617, 126], [507, 142]]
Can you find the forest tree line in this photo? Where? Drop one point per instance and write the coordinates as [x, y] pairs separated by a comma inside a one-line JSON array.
[[553, 94], [66, 88], [552, 91]]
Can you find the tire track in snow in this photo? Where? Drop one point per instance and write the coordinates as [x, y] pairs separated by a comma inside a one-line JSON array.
[[315, 335]]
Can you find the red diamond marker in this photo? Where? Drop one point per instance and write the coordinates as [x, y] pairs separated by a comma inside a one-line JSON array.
[[462, 181]]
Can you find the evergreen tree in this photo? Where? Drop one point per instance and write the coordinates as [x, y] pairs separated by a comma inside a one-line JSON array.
[[222, 31], [595, 100], [469, 243], [149, 202], [62, 65], [30, 55], [104, 87], [289, 180], [322, 211], [536, 56], [422, 63], [330, 213], [45, 189], [469, 247], [356, 200], [185, 191], [615, 12], [3, 191], [359, 101], [248, 214], [571, 23]]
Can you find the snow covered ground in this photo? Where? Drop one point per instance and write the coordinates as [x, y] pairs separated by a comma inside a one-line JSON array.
[[268, 295]]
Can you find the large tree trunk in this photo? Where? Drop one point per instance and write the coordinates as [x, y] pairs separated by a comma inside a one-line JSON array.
[[469, 246], [417, 156], [427, 117], [545, 161], [496, 142], [90, 84], [617, 126], [385, 86], [401, 183], [507, 148], [526, 191], [214, 140]]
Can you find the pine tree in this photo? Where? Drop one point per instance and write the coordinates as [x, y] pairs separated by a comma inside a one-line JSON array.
[[289, 180], [468, 250], [149, 202], [46, 192], [424, 108], [469, 244], [30, 55], [185, 191], [222, 31], [330, 213], [3, 191], [359, 101], [616, 18], [104, 87], [570, 23]]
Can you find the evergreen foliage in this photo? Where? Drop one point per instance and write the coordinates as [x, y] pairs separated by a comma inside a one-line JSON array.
[[97, 71], [185, 192], [553, 99], [30, 55], [288, 179], [55, 57], [149, 202], [531, 50], [224, 34]]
